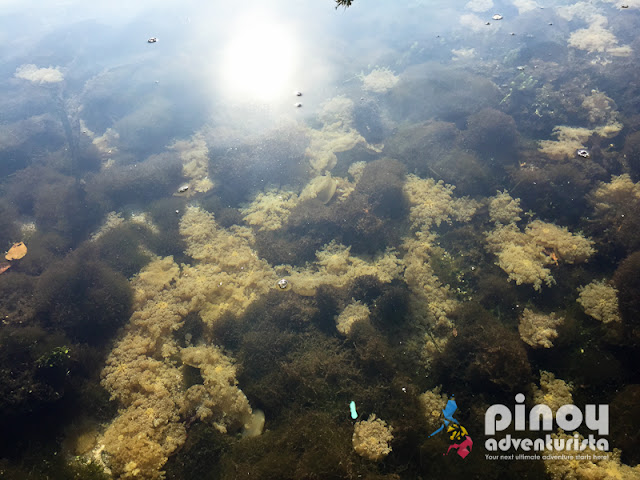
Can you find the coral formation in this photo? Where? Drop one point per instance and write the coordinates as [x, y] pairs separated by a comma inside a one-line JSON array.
[[371, 438], [600, 301], [538, 329]]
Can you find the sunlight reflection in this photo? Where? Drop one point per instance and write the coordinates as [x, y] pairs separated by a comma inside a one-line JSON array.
[[258, 61]]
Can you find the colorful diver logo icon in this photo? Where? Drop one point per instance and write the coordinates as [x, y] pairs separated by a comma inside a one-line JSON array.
[[456, 432]]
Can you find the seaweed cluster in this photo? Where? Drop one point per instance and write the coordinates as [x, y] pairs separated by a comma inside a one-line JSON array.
[[300, 302]]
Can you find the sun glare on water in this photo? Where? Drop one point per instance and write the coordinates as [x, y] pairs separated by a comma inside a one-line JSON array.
[[258, 61]]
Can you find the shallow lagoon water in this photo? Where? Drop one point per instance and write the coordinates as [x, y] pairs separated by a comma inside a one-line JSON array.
[[388, 215]]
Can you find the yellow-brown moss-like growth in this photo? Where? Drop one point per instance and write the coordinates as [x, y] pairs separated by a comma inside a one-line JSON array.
[[503, 208], [433, 203], [433, 302], [538, 329], [570, 139], [148, 369], [353, 313], [269, 210], [371, 438], [567, 247], [433, 402], [144, 373], [337, 135], [606, 466], [616, 205], [229, 276], [525, 255], [600, 301], [194, 154], [521, 259], [553, 392], [337, 267]]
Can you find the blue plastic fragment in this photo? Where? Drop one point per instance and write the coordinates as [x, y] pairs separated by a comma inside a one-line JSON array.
[[352, 407]]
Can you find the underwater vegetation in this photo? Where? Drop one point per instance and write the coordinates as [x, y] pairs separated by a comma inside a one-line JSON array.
[[199, 299]]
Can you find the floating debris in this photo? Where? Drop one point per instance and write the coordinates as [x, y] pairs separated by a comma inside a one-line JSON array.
[[521, 68], [297, 93], [183, 188], [283, 284], [497, 16], [488, 23], [4, 267], [583, 153], [16, 252], [152, 40], [297, 105], [624, 6]]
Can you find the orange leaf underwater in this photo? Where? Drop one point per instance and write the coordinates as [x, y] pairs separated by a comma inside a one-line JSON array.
[[5, 267], [16, 252]]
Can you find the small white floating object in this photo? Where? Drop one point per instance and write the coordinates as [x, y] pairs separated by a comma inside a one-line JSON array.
[[497, 16], [297, 93], [583, 153], [152, 40], [297, 105], [183, 188]]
